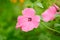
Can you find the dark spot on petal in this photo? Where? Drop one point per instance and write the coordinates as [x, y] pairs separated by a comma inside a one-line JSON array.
[[29, 19]]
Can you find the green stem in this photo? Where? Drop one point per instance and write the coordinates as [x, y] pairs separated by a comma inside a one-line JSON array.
[[50, 28]]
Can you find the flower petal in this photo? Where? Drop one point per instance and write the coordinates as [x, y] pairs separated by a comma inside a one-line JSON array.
[[56, 6], [36, 24], [49, 14], [18, 25], [20, 21], [27, 26], [20, 18], [37, 18], [47, 18], [52, 9], [28, 12]]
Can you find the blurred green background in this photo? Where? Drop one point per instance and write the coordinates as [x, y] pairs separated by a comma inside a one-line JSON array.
[[10, 10]]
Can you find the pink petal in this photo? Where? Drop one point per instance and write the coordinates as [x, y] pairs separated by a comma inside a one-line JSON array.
[[27, 26], [20, 21], [28, 12], [36, 18], [52, 9], [36, 24], [56, 7], [48, 18], [18, 25], [20, 18], [49, 14]]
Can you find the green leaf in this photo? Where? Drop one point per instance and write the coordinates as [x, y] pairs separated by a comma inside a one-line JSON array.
[[57, 27], [39, 4]]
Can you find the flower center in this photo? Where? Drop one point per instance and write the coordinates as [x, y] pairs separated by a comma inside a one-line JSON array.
[[29, 19]]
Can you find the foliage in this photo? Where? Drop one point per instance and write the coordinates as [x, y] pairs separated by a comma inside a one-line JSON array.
[[9, 12]]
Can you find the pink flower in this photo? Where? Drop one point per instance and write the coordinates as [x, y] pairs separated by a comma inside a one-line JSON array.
[[50, 13], [28, 21]]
